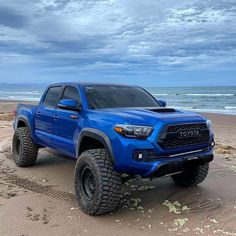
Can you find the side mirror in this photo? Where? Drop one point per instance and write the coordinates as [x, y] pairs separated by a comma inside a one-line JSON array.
[[69, 104], [162, 103]]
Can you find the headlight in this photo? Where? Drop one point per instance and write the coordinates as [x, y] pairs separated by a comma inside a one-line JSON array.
[[209, 124], [133, 131]]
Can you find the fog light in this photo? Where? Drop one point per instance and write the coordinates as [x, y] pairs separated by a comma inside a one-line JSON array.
[[140, 156], [213, 143], [144, 155]]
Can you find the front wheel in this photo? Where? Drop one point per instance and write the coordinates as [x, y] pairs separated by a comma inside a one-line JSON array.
[[25, 150], [97, 184], [192, 176]]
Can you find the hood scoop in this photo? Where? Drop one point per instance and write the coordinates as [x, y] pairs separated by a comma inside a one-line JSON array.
[[161, 109]]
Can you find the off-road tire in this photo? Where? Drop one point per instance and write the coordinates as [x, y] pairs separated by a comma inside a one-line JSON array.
[[107, 187], [25, 150], [193, 176]]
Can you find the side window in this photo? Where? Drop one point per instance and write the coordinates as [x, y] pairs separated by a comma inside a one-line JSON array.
[[52, 96], [71, 93]]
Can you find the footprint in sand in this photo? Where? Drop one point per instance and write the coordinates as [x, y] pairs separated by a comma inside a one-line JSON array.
[[44, 216]]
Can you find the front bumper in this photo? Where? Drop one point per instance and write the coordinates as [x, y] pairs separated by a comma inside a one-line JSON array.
[[125, 161], [176, 166]]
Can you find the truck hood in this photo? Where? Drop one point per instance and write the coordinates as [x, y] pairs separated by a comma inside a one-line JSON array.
[[151, 115]]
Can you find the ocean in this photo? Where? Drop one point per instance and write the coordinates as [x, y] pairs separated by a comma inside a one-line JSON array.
[[200, 99]]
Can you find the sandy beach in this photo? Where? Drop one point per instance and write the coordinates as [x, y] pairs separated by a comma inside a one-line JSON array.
[[40, 200]]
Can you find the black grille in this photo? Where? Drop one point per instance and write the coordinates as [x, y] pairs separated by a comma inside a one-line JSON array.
[[170, 135]]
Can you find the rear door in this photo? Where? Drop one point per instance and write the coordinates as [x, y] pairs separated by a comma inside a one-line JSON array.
[[45, 114], [66, 124]]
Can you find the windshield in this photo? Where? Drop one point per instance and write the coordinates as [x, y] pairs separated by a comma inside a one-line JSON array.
[[107, 96]]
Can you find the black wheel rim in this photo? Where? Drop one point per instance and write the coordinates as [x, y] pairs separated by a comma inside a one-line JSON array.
[[88, 182]]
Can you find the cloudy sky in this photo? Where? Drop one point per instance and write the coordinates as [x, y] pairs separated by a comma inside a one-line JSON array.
[[146, 42]]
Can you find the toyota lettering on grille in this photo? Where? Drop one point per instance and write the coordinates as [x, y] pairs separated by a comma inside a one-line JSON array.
[[189, 133]]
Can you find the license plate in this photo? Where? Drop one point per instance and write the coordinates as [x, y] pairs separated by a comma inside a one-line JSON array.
[[189, 133]]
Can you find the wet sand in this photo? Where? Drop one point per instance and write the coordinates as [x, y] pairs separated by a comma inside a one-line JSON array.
[[40, 200]]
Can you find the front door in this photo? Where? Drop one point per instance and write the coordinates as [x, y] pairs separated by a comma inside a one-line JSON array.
[[45, 114], [66, 125]]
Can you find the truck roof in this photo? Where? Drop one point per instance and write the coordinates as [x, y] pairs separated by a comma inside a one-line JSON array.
[[90, 83]]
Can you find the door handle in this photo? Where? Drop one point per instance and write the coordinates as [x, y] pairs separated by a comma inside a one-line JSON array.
[[38, 113], [55, 117], [74, 117]]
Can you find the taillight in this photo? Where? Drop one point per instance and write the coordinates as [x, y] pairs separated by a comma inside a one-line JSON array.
[[14, 112]]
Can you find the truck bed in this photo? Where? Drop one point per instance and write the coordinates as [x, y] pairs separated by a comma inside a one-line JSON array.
[[26, 112]]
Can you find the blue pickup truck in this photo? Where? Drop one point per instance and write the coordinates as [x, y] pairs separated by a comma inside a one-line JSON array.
[[112, 131]]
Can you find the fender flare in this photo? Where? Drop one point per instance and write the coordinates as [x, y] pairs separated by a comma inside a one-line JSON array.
[[26, 121], [98, 135]]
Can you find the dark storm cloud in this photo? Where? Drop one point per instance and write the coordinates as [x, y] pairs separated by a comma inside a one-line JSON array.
[[11, 18]]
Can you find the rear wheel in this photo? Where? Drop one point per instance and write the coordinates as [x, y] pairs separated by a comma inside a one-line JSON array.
[[25, 150], [192, 176], [97, 184]]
